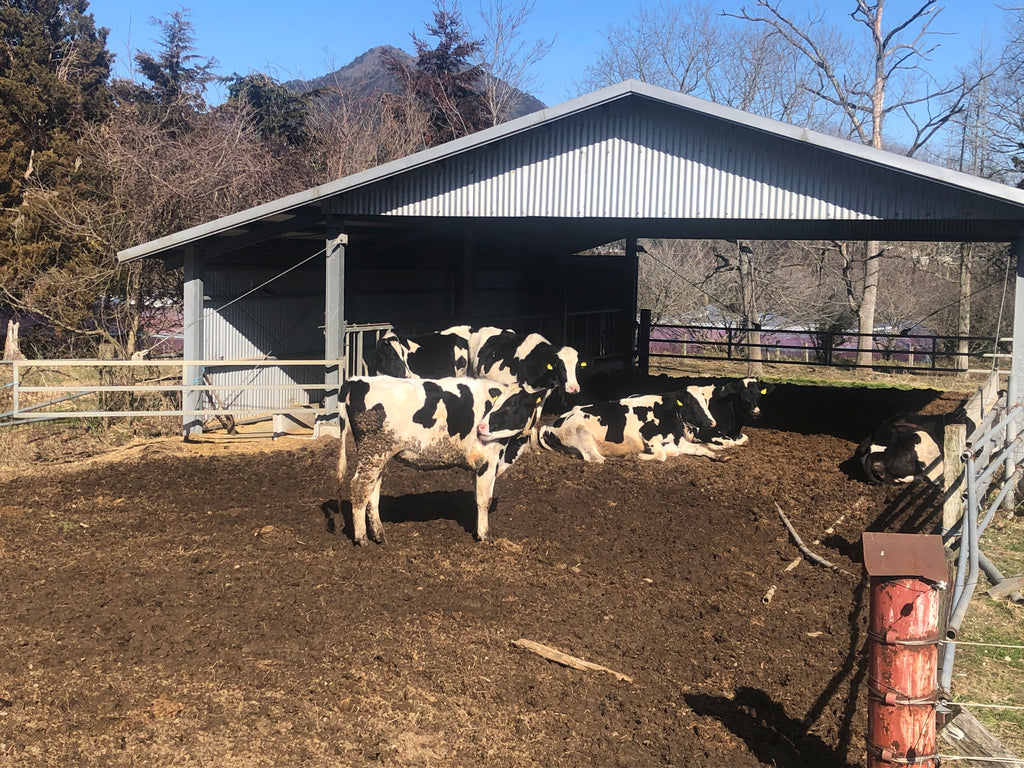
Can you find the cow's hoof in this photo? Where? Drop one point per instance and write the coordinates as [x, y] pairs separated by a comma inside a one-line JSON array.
[[362, 542], [479, 537]]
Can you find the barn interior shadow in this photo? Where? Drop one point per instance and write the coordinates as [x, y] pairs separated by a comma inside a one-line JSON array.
[[850, 413], [420, 507]]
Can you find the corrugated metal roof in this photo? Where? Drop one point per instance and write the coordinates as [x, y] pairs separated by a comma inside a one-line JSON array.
[[636, 151]]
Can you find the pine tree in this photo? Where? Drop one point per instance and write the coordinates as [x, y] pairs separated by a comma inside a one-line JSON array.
[[178, 77], [54, 68], [443, 81]]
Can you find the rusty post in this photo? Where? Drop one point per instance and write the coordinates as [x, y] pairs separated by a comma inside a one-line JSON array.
[[908, 574]]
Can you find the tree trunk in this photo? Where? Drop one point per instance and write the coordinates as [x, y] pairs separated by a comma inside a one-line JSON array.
[[866, 314], [12, 351], [750, 318], [963, 322]]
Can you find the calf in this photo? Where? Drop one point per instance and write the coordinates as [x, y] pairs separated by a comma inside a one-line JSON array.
[[430, 356], [429, 424], [530, 361], [901, 450], [651, 426]]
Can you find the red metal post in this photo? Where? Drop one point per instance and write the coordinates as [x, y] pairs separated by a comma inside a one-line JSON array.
[[908, 573]]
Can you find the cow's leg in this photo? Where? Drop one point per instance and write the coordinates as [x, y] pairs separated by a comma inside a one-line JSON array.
[[657, 451], [584, 442], [486, 474], [373, 512], [365, 490], [687, 448]]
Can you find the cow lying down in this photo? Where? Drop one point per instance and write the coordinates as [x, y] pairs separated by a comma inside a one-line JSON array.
[[902, 450], [649, 426], [430, 424]]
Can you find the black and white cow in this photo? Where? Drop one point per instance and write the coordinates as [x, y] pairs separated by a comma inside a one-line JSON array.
[[734, 402], [649, 426], [430, 356], [902, 449], [430, 424], [530, 361]]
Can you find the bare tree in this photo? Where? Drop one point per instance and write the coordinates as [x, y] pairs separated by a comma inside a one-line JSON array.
[[670, 276], [506, 59], [674, 46], [861, 88], [349, 134]]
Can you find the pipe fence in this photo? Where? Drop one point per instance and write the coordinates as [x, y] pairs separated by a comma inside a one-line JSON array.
[[42, 390], [990, 471], [899, 351]]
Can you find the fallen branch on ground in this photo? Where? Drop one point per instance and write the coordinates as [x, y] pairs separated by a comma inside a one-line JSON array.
[[553, 654], [806, 552]]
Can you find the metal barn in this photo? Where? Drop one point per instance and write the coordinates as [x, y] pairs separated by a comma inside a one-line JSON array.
[[488, 230]]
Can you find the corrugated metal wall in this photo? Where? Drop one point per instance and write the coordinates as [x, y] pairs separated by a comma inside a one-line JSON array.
[[283, 320], [656, 162]]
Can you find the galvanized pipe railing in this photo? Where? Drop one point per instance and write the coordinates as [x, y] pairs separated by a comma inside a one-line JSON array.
[[993, 446]]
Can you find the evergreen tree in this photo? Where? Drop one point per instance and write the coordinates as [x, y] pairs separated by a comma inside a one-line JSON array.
[[54, 67], [443, 82], [178, 77], [280, 114]]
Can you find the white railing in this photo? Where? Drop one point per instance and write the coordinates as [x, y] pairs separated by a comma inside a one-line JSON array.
[[175, 387], [35, 402]]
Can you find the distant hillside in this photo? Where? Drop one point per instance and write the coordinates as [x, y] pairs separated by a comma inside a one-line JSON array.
[[366, 75]]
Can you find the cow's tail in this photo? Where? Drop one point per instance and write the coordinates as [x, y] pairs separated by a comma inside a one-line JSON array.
[[345, 425]]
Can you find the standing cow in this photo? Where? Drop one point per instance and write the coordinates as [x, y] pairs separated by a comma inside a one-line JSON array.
[[530, 361], [650, 426], [430, 356], [430, 424]]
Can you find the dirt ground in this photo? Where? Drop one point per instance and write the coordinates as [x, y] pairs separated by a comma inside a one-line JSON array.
[[202, 605]]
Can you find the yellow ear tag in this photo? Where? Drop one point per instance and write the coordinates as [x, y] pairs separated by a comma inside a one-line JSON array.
[[538, 401], [764, 391], [583, 365], [551, 367], [679, 403]]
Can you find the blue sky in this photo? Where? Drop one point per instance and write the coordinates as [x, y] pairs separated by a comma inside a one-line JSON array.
[[312, 37]]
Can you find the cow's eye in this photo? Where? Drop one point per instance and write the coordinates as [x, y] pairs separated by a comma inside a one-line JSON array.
[[551, 367]]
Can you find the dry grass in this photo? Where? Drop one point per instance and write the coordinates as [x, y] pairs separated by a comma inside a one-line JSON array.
[[988, 674]]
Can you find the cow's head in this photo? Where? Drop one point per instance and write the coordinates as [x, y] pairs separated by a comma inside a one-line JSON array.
[[575, 366], [515, 412], [749, 397], [692, 404], [539, 367]]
